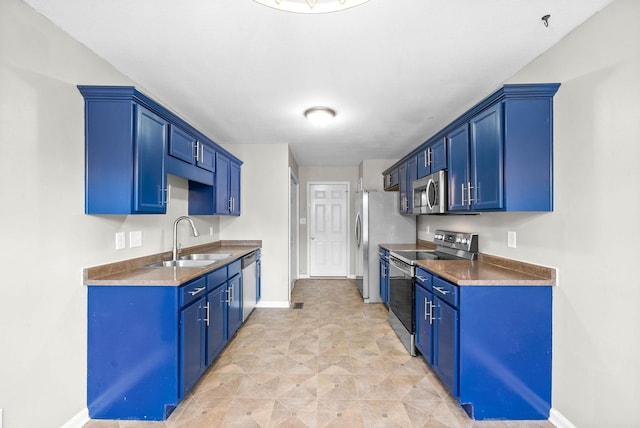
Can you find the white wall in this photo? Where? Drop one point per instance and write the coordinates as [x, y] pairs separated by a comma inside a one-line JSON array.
[[596, 344], [46, 238], [265, 208]]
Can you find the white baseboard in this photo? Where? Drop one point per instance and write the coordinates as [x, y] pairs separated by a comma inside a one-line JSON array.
[[303, 276], [272, 304], [351, 276], [558, 420], [78, 421]]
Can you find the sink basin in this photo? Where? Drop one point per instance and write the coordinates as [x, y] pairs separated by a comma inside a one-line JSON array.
[[205, 256], [181, 263]]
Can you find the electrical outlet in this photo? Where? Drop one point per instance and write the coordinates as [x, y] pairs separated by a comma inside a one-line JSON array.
[[135, 239], [120, 244], [211, 230], [428, 228], [511, 239]]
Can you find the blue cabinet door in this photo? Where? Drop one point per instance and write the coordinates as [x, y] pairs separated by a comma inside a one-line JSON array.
[[432, 158], [234, 188], [438, 155], [458, 162], [424, 167], [192, 349], [223, 202], [206, 158], [445, 348], [216, 326], [149, 147], [407, 173], [384, 281], [234, 296], [424, 319], [487, 147], [182, 145]]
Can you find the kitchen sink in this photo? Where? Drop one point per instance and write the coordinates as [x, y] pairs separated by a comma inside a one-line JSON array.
[[205, 256], [181, 263]]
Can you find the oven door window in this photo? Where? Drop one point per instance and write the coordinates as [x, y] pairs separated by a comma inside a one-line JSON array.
[[401, 297]]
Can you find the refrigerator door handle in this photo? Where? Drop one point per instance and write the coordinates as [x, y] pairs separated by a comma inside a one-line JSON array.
[[358, 230]]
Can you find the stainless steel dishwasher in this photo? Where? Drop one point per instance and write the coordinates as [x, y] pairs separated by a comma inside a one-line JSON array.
[[249, 284]]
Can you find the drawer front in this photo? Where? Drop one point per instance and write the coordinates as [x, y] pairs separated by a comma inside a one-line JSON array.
[[424, 279], [193, 291], [445, 291], [216, 278], [234, 268]]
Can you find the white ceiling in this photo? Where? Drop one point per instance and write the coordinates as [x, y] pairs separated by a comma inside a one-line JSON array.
[[395, 71]]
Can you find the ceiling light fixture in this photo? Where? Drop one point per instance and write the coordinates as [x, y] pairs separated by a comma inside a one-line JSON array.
[[311, 6], [319, 116]]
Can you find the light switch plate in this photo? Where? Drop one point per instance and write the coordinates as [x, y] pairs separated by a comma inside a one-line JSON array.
[[303, 221], [511, 239], [135, 239], [120, 244]]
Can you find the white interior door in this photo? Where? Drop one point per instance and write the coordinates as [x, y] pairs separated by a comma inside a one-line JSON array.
[[294, 221], [328, 229]]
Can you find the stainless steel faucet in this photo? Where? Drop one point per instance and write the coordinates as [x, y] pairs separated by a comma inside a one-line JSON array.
[[175, 233]]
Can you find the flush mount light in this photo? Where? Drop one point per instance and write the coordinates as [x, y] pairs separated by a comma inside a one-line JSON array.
[[311, 6], [319, 116]]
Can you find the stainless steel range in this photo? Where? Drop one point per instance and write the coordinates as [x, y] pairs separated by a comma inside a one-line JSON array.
[[402, 272]]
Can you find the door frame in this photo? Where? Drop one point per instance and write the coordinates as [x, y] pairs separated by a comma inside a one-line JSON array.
[[294, 220], [347, 222]]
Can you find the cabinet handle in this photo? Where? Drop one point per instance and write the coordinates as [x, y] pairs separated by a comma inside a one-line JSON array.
[[426, 314], [463, 194], [429, 155], [432, 315], [230, 204], [469, 199], [441, 290], [206, 307], [228, 299], [197, 151], [426, 161], [197, 290], [421, 278]]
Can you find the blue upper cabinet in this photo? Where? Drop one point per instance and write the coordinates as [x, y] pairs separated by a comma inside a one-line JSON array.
[[458, 147], [432, 157], [124, 150], [149, 176], [476, 163], [499, 154], [227, 184], [407, 174], [132, 143]]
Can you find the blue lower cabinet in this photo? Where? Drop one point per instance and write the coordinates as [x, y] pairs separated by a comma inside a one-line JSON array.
[[490, 346], [133, 352], [445, 347], [148, 346], [192, 345], [216, 322]]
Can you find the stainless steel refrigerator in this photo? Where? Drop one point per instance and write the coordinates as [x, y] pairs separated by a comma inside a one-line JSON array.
[[378, 221]]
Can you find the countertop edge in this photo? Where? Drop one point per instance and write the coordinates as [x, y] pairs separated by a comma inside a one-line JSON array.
[[131, 272]]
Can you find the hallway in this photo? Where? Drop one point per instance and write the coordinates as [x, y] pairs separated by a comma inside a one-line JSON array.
[[333, 363]]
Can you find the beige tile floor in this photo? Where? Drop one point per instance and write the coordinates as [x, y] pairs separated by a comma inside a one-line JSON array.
[[333, 363]]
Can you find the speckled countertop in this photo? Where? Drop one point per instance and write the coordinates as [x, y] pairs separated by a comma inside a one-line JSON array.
[[133, 273], [487, 270]]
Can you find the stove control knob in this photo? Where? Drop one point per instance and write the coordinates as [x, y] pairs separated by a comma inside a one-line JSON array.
[[463, 241], [458, 240]]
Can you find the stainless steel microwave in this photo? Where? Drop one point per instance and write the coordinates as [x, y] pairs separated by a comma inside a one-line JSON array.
[[430, 194]]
